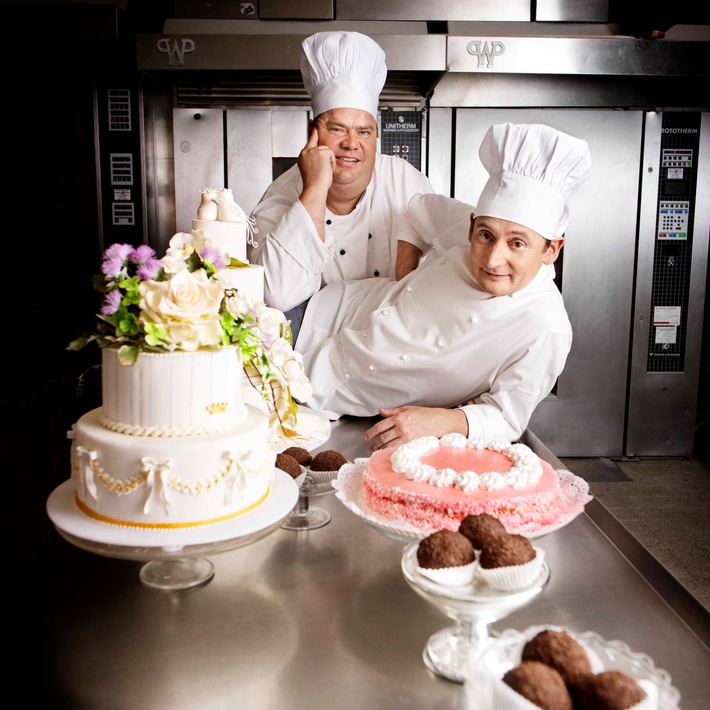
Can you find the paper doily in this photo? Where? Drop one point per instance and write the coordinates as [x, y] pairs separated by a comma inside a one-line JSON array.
[[349, 491], [505, 649]]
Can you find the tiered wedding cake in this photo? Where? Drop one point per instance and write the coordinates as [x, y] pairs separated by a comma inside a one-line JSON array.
[[173, 444]]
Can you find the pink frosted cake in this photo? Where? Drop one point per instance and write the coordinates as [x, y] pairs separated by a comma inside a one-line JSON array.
[[434, 483]]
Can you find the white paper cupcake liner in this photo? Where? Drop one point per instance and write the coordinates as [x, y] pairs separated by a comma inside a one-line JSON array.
[[322, 476], [302, 476], [515, 577], [450, 576]]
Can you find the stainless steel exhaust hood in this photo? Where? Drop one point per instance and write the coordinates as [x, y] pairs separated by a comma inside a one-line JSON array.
[[256, 62], [252, 63]]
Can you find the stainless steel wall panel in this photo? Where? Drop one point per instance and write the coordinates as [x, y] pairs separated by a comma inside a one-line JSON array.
[[191, 50], [433, 10], [440, 149], [199, 159], [304, 28], [413, 53], [159, 170], [441, 10], [302, 10], [662, 405], [581, 56], [219, 9], [253, 138], [249, 141], [567, 91], [586, 415], [572, 10], [289, 130]]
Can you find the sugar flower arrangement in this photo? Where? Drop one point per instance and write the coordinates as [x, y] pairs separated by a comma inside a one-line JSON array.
[[180, 302]]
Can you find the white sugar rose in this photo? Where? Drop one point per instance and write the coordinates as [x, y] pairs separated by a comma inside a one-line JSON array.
[[187, 306], [239, 305], [268, 317], [181, 246], [290, 366], [298, 383]]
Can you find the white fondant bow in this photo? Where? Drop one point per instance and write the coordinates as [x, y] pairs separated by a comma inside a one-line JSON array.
[[236, 481], [86, 472], [157, 483]]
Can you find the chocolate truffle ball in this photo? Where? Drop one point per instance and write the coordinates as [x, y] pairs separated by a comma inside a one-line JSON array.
[[328, 461], [289, 464], [560, 651], [508, 550], [303, 456], [541, 685], [481, 530], [445, 548], [610, 690]]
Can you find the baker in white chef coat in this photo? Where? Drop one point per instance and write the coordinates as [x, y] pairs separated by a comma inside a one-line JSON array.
[[334, 215], [474, 338]]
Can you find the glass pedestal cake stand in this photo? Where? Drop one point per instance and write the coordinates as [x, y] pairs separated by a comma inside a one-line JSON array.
[[450, 652], [178, 561], [304, 516]]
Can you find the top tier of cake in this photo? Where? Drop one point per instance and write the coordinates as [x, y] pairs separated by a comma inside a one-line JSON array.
[[226, 225], [223, 221]]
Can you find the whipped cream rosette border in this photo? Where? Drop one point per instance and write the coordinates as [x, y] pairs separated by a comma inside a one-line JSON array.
[[525, 472]]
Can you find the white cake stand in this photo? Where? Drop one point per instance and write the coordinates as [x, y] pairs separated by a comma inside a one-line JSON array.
[[174, 558]]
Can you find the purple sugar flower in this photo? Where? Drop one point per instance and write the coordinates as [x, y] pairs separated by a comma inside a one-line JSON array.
[[112, 267], [149, 270], [141, 254], [112, 302], [118, 251], [214, 256]]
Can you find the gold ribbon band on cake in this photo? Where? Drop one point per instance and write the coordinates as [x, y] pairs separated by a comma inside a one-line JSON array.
[[171, 526]]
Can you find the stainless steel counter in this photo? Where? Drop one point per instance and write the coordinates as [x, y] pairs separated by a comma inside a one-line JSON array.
[[319, 619]]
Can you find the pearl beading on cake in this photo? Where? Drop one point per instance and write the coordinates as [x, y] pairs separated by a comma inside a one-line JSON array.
[[525, 471], [159, 431]]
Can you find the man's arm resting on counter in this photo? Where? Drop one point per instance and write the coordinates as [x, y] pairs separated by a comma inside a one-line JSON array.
[[402, 424]]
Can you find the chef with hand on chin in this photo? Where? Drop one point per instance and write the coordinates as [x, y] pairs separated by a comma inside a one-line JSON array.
[[334, 215], [475, 337]]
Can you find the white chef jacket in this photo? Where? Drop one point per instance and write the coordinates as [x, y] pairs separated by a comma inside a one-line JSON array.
[[435, 222], [359, 245], [436, 339]]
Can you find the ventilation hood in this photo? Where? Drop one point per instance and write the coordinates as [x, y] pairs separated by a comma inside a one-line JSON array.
[[236, 53]]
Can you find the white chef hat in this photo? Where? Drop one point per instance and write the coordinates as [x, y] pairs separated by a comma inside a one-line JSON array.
[[343, 70], [534, 169]]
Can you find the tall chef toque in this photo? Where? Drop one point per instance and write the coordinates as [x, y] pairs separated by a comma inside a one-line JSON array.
[[343, 70], [534, 170]]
